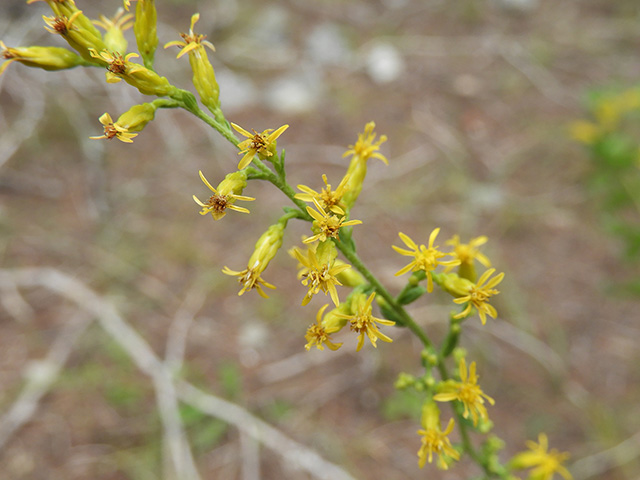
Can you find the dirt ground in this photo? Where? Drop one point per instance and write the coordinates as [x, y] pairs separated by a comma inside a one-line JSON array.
[[475, 98]]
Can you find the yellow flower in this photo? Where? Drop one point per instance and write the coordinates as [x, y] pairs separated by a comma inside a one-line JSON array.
[[326, 224], [317, 335], [47, 58], [192, 40], [78, 31], [114, 30], [364, 323], [223, 197], [466, 391], [434, 440], [117, 65], [424, 258], [585, 132], [263, 144], [146, 81], [545, 463], [319, 270], [366, 147], [478, 296], [326, 197], [467, 253], [265, 250], [112, 130]]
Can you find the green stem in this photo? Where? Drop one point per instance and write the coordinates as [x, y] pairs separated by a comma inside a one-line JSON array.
[[351, 255]]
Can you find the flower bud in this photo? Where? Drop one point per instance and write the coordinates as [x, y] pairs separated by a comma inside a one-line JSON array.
[[137, 117], [266, 247], [144, 29], [233, 183]]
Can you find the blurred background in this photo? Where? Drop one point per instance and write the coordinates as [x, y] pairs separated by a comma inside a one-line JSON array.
[[478, 99]]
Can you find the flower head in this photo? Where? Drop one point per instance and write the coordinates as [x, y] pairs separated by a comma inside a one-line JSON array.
[[47, 58], [466, 391], [468, 252], [319, 270], [114, 130], [224, 196], [364, 323], [326, 197], [434, 439], [318, 335], [366, 147], [327, 224], [544, 463], [265, 250], [424, 258], [191, 41], [479, 294], [263, 144], [145, 80], [114, 30]]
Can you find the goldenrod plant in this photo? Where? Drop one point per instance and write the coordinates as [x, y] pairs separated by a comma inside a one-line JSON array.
[[610, 137], [329, 262]]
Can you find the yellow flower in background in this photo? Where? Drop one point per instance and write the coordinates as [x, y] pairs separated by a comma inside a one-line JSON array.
[[544, 463], [223, 197], [317, 335], [434, 439], [327, 223], [326, 197], [424, 258], [114, 130], [479, 295], [468, 252], [585, 132], [364, 323], [191, 41], [114, 30], [366, 146], [319, 271], [466, 391]]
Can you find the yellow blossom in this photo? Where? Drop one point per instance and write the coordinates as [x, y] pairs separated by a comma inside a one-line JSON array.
[[79, 32], [318, 335], [47, 58], [326, 197], [263, 144], [114, 30], [478, 296], [145, 80], [466, 391], [366, 147], [319, 270], [265, 250], [327, 224], [424, 258], [204, 77], [192, 40], [434, 439], [544, 463], [467, 253], [223, 197], [364, 323], [114, 130]]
